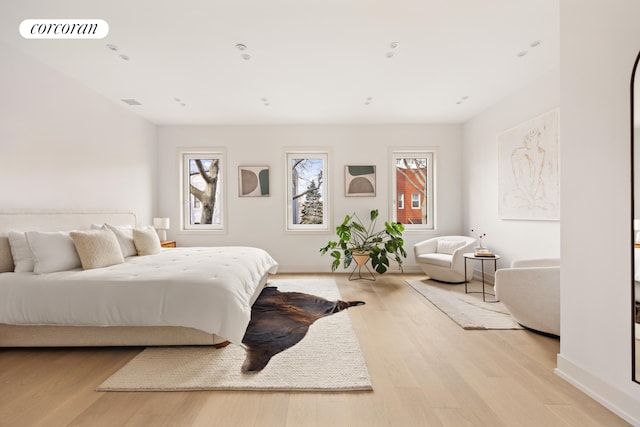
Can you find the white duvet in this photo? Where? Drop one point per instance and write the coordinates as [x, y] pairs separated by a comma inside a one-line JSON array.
[[203, 288]]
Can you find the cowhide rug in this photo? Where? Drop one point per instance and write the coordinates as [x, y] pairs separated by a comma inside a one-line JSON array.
[[279, 320]]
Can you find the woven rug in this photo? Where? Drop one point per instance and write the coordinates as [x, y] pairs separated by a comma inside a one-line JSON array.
[[467, 310], [327, 359]]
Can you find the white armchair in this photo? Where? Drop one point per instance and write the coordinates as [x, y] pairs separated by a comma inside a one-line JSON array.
[[441, 257], [530, 290]]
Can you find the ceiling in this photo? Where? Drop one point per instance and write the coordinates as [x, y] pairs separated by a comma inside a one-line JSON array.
[[311, 62]]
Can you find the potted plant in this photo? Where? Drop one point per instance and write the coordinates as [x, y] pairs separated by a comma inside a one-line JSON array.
[[356, 240]]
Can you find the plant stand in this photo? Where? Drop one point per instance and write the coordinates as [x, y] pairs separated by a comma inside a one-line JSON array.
[[361, 261]]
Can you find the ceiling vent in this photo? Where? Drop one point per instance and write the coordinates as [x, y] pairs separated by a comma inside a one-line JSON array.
[[131, 101]]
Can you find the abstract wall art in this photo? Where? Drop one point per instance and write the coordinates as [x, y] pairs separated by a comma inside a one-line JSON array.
[[360, 181], [253, 181]]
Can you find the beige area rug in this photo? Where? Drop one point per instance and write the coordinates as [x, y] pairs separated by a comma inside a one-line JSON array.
[[467, 310], [327, 359]]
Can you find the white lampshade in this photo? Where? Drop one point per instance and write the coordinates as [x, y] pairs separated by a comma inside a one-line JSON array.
[[161, 223]]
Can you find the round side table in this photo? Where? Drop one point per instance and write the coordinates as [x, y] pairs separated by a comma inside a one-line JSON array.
[[482, 259]]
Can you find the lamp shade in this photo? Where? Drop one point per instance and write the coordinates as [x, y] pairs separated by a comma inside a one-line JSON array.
[[636, 224], [161, 223]]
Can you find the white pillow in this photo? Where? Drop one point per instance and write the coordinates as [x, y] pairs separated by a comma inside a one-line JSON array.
[[6, 259], [147, 241], [52, 251], [97, 248], [449, 246], [124, 234], [22, 256]]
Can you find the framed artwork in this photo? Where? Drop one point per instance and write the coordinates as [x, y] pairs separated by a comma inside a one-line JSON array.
[[253, 181], [528, 183], [360, 181]]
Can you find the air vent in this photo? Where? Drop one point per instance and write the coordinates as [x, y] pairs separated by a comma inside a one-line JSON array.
[[131, 102]]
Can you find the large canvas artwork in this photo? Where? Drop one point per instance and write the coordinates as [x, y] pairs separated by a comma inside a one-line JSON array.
[[253, 181], [529, 186], [360, 181]]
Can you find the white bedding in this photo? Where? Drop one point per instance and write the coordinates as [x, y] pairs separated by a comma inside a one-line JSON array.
[[204, 288]]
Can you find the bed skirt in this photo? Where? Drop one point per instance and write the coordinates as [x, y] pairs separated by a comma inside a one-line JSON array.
[[95, 336]]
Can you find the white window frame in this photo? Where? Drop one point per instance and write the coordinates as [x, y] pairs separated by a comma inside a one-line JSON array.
[[323, 155], [430, 198], [185, 194], [401, 201]]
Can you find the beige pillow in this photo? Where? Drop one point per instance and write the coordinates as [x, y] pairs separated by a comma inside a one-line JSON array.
[[147, 241], [97, 248], [6, 259]]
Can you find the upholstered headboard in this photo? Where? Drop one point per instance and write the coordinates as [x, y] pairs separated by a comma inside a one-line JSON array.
[[50, 220]]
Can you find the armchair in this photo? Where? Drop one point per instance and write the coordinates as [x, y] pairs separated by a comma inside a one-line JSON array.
[[530, 290], [441, 257]]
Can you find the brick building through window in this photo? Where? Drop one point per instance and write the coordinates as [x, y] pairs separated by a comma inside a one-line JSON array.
[[409, 210]]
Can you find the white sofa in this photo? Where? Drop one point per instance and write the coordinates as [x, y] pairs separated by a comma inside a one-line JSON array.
[[530, 290], [441, 257]]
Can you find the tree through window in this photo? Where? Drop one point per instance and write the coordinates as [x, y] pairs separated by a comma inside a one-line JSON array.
[[307, 191], [202, 185]]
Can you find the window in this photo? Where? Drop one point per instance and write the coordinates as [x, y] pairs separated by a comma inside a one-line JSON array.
[[307, 198], [415, 201], [412, 173], [202, 189]]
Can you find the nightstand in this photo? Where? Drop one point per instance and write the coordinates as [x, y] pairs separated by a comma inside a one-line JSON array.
[[168, 244]]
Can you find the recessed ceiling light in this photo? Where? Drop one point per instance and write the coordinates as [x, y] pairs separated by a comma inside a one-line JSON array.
[[394, 45], [369, 98], [176, 99], [131, 101], [124, 57], [521, 54], [112, 47], [183, 104], [465, 97], [246, 56], [536, 43], [240, 46], [389, 55]]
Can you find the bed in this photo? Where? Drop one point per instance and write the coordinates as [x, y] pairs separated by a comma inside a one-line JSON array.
[[179, 296]]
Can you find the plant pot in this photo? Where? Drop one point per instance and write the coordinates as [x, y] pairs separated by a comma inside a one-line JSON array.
[[360, 258]]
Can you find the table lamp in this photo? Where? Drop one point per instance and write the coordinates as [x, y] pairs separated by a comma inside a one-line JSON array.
[[161, 225]]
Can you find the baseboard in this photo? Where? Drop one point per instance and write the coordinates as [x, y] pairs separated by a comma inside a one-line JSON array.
[[625, 406], [314, 269], [489, 278]]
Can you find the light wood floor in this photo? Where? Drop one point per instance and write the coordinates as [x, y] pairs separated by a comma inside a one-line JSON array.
[[426, 371]]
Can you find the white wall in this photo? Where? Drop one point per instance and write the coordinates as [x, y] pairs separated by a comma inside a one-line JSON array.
[[511, 239], [260, 221], [63, 146], [599, 43]]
